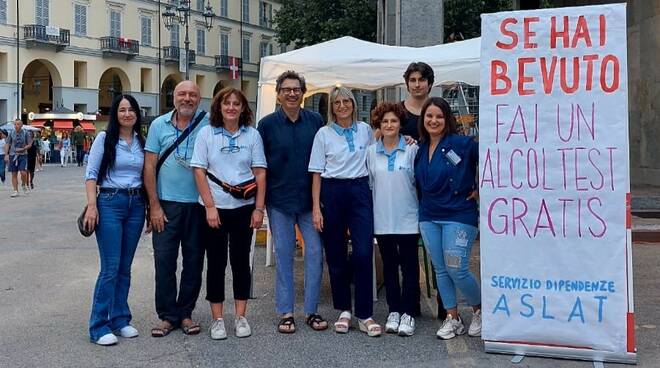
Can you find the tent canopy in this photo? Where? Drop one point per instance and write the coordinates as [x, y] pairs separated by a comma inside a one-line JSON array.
[[354, 63]]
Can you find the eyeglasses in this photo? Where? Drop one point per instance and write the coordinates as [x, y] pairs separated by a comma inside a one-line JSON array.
[[347, 103], [296, 91], [230, 149]]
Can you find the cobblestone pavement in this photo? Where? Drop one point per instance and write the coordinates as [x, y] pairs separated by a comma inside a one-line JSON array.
[[47, 274]]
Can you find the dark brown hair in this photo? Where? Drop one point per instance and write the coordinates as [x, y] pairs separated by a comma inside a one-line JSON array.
[[383, 108], [290, 74], [216, 107], [424, 69], [450, 121]]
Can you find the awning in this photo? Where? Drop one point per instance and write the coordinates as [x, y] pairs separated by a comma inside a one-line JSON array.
[[88, 127], [63, 125], [37, 123]]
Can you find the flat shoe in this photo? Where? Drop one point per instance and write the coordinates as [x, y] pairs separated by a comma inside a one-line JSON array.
[[343, 322], [189, 327], [162, 330], [287, 325], [370, 327]]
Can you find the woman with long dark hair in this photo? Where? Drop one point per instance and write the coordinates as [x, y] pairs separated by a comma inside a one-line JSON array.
[[116, 206], [445, 172]]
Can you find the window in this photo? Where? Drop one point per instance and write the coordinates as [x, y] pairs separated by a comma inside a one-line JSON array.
[[263, 49], [246, 11], [282, 49], [224, 8], [3, 11], [270, 49], [115, 23], [145, 26], [200, 5], [41, 12], [246, 50], [265, 13], [201, 41], [80, 19], [224, 44], [174, 36]]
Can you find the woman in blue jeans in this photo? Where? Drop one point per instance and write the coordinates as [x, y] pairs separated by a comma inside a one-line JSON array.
[[445, 171], [115, 204]]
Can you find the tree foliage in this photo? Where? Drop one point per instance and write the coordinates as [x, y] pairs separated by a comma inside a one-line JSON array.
[[308, 22], [462, 17]]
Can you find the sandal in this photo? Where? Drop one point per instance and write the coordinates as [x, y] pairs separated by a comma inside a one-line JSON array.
[[370, 327], [343, 322], [316, 322], [163, 329], [287, 325], [189, 327]]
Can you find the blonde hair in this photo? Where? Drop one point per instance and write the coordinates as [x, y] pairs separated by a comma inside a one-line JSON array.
[[343, 92]]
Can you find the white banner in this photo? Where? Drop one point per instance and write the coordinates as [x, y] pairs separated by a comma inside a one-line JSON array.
[[554, 179], [183, 60]]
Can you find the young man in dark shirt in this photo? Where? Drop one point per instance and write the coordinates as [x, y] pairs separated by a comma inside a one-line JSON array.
[[419, 79]]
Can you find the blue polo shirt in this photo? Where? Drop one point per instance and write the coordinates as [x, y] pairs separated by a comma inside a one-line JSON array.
[[288, 146], [443, 187], [175, 182]]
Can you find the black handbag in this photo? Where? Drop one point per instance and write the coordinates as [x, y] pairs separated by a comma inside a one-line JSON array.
[[81, 224]]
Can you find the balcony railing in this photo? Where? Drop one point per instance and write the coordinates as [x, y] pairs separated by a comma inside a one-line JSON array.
[[172, 53], [35, 33], [120, 45], [222, 62]]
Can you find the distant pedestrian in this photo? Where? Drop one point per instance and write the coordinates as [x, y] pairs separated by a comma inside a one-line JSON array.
[[175, 216], [78, 141], [32, 154], [45, 146], [17, 143], [3, 141], [118, 211], [65, 149]]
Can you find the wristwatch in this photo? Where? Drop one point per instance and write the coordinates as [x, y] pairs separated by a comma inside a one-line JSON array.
[[260, 210]]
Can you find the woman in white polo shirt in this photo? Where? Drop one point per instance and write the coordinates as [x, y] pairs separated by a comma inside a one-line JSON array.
[[341, 201], [391, 164], [228, 162]]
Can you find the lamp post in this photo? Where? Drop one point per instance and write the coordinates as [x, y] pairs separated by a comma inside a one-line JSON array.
[[182, 16]]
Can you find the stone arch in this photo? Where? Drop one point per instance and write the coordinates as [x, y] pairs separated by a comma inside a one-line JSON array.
[[218, 86], [113, 81], [38, 78], [167, 92]]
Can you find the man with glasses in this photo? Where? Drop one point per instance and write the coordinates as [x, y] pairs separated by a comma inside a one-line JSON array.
[[288, 135], [174, 214]]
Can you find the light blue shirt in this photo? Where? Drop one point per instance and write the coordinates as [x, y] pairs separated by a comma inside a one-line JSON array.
[[127, 170], [175, 180], [230, 158], [392, 182], [341, 153]]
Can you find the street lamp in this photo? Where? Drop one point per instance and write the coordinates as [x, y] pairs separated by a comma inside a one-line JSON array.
[[182, 16]]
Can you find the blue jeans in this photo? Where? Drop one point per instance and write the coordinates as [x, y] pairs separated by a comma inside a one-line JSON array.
[[450, 244], [121, 218], [2, 168], [282, 225]]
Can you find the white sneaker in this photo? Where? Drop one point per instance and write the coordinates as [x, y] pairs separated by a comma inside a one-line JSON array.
[[407, 325], [26, 190], [450, 328], [475, 324], [392, 324], [217, 330], [242, 327], [128, 332], [14, 194], [107, 339]]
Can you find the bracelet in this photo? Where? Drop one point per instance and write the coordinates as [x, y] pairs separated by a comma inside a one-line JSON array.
[[260, 210]]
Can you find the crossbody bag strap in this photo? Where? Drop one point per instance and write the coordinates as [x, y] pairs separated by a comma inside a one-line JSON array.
[[170, 149]]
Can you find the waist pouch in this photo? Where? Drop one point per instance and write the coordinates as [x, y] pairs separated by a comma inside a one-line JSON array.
[[244, 190]]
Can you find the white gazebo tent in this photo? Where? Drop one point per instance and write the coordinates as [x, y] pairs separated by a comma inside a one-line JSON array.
[[354, 63]]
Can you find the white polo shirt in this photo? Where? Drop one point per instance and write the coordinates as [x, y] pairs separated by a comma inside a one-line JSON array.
[[340, 153], [230, 158], [392, 181]]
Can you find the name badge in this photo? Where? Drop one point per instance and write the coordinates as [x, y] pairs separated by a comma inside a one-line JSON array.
[[182, 161], [453, 157]]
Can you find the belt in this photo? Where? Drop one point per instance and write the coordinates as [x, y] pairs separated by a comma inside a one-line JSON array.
[[129, 191]]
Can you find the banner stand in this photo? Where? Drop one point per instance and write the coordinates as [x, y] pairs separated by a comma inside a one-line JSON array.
[[559, 352]]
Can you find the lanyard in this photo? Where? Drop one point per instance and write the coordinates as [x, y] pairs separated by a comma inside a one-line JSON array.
[[185, 156]]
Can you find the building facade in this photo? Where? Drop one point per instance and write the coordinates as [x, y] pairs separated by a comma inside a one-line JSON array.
[[78, 54]]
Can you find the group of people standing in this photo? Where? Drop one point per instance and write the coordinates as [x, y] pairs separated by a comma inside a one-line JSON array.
[[204, 181]]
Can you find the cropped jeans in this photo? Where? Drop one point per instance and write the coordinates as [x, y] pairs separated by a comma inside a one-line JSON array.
[[121, 218], [450, 245], [282, 225]]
